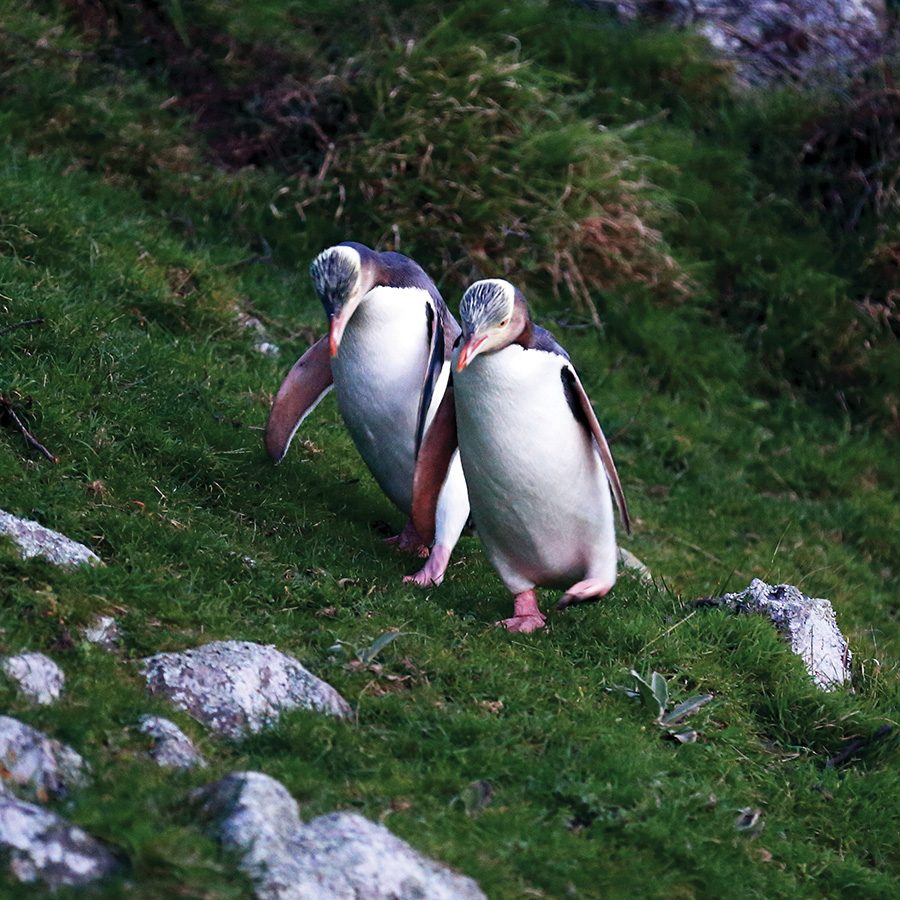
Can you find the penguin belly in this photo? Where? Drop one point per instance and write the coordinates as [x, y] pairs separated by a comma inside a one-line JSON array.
[[378, 375], [540, 499]]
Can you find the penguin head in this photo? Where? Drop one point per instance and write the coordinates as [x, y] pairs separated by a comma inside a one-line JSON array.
[[338, 276], [493, 315]]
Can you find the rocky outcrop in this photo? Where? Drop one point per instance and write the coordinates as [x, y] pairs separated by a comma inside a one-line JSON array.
[[38, 845], [172, 748], [32, 539], [775, 39], [341, 855], [35, 765], [808, 623], [104, 632], [235, 687], [38, 678]]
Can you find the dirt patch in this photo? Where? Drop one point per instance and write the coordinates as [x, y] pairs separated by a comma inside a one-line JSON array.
[[254, 105]]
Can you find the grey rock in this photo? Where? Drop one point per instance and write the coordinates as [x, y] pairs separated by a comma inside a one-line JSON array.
[[267, 348], [39, 845], [808, 623], [32, 539], [37, 677], [630, 561], [35, 764], [340, 855], [775, 39], [104, 632], [238, 686], [172, 748]]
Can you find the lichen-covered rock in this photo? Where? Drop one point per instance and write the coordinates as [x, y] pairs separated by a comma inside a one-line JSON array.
[[172, 748], [237, 686], [37, 677], [36, 765], [104, 632], [808, 623], [32, 539], [776, 39], [40, 845], [341, 855]]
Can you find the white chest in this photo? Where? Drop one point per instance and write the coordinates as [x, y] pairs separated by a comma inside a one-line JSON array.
[[539, 496], [378, 377]]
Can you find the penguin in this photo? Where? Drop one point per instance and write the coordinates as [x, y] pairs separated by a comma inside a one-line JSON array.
[[540, 474], [386, 355]]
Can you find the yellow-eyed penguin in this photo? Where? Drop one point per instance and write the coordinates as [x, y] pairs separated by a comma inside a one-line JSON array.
[[387, 356], [540, 474]]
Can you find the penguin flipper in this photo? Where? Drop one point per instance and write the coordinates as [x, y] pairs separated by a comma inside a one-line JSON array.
[[436, 354], [434, 458], [308, 381], [581, 407]]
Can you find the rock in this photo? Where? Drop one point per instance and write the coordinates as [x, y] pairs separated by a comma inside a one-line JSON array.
[[32, 539], [808, 623], [778, 39], [40, 845], [104, 632], [340, 855], [267, 348], [172, 748], [630, 561], [38, 678], [37, 765], [237, 686]]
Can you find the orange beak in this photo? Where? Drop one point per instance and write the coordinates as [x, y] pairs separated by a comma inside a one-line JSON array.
[[336, 332], [469, 351]]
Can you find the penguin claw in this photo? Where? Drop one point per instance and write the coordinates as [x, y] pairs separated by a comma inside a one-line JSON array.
[[522, 624], [588, 591], [408, 541], [432, 573]]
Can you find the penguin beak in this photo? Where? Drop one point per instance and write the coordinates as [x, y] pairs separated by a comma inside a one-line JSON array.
[[336, 332], [338, 322], [469, 350]]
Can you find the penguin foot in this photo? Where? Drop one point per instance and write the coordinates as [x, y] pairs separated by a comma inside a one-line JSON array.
[[432, 573], [409, 541], [528, 617], [588, 591]]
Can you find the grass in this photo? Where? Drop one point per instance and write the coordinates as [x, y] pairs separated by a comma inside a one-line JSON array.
[[122, 227]]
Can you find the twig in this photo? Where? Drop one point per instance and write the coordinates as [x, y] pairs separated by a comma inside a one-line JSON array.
[[10, 416], [7, 328], [855, 746], [670, 629]]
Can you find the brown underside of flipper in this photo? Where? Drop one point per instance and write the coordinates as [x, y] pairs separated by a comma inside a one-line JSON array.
[[432, 463], [308, 379], [603, 447]]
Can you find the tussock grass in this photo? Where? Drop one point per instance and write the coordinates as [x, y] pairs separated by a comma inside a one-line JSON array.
[[119, 231]]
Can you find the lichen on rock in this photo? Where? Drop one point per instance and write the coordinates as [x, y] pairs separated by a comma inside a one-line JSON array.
[[32, 539], [37, 677], [340, 855], [235, 687]]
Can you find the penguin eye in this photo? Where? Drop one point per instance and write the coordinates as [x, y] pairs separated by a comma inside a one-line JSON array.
[[504, 323]]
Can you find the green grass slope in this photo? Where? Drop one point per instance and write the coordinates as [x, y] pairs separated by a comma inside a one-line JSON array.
[[165, 168]]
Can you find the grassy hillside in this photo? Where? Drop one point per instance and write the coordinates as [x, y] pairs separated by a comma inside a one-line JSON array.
[[168, 167]]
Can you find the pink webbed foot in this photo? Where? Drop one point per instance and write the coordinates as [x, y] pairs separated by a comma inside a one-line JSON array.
[[408, 541], [528, 617], [432, 573], [588, 591]]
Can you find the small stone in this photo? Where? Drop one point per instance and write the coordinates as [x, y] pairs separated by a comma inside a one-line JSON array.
[[35, 764], [37, 677], [32, 539], [234, 687], [808, 623], [267, 348], [340, 855], [104, 632], [172, 748], [630, 561], [40, 845]]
